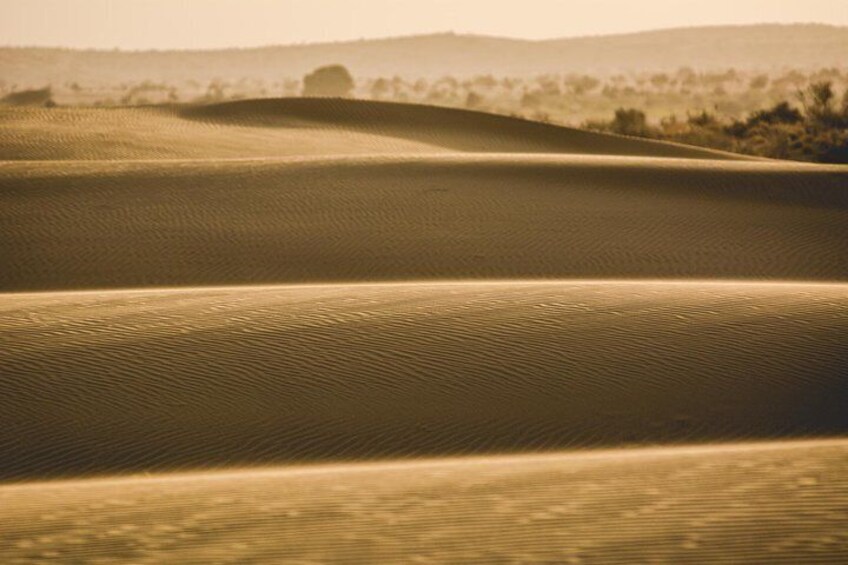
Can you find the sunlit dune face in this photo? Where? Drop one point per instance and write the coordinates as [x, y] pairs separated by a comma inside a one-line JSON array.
[[516, 294], [256, 375], [670, 504], [460, 216]]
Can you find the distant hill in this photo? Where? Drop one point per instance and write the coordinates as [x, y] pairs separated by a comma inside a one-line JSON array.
[[766, 47]]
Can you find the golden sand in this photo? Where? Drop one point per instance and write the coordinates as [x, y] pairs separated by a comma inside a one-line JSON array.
[[285, 290]]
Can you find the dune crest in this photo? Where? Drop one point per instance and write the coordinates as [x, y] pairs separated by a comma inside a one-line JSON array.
[[449, 128], [298, 126]]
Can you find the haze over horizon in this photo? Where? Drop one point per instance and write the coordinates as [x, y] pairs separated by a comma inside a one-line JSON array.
[[162, 24]]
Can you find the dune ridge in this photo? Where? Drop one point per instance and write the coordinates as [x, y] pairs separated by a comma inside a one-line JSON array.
[[451, 128], [717, 48], [297, 126], [168, 379]]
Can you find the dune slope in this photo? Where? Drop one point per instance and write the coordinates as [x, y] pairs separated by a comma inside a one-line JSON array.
[[69, 134], [450, 128], [321, 284], [127, 381], [283, 127], [107, 225], [777, 503]]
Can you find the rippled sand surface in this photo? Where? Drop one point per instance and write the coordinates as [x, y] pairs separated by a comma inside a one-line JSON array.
[[295, 126], [308, 331], [137, 224], [758, 503], [144, 380]]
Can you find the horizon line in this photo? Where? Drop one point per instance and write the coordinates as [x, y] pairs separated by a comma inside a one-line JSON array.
[[447, 33]]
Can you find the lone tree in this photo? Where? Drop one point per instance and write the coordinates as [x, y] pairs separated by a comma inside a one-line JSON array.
[[330, 81]]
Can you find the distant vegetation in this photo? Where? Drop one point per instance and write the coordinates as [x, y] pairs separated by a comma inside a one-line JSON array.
[[817, 132], [332, 80], [791, 113], [747, 48], [35, 97]]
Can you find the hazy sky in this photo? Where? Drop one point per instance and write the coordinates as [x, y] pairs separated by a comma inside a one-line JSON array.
[[165, 24]]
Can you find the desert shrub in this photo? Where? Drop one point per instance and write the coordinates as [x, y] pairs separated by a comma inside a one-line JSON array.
[[473, 100], [833, 147], [759, 82], [215, 92], [329, 81], [420, 86], [702, 128], [37, 97], [660, 80], [670, 126], [821, 97], [146, 92], [800, 142], [630, 121], [581, 84], [780, 113], [818, 100], [782, 132], [380, 88], [703, 119]]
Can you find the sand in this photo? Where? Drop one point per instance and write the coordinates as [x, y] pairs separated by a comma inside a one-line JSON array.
[[772, 503], [137, 224], [157, 380], [421, 324], [286, 127]]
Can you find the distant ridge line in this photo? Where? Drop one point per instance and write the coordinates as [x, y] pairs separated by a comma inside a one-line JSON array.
[[752, 47], [434, 35]]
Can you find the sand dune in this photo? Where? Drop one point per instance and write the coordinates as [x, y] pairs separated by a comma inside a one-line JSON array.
[[450, 128], [106, 225], [126, 381], [282, 127], [323, 281], [780, 503], [158, 133]]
